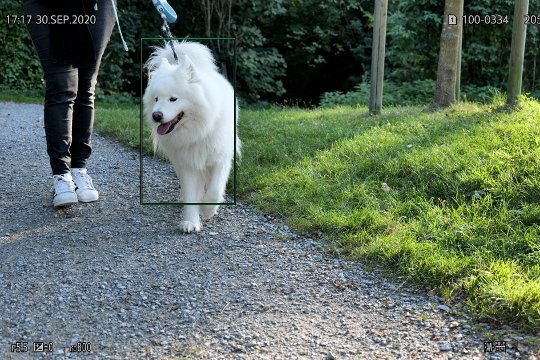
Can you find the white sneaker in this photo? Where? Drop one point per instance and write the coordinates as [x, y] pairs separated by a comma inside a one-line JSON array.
[[83, 185], [64, 190]]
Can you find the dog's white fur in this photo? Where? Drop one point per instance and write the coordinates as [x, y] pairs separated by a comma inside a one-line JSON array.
[[201, 145]]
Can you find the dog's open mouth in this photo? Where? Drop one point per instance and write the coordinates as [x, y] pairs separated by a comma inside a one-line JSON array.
[[166, 128]]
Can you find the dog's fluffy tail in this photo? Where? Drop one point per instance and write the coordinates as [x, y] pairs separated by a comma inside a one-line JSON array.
[[197, 53]]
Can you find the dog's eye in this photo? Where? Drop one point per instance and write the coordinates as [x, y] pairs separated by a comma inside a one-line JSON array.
[[156, 99], [172, 99]]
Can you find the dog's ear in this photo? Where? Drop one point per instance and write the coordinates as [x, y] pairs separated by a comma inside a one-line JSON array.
[[189, 70], [192, 74]]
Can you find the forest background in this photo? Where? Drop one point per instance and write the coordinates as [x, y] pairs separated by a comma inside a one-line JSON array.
[[300, 52]]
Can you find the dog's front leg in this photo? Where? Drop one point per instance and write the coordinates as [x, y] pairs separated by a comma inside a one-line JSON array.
[[192, 188], [215, 188]]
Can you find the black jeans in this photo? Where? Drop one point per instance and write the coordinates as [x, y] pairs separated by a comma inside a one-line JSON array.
[[70, 88]]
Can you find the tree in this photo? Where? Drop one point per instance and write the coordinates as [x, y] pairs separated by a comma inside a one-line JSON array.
[[445, 91], [460, 50], [517, 52], [377, 56], [222, 11]]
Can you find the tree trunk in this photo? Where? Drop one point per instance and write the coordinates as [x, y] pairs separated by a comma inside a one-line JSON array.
[[517, 52], [460, 46], [445, 91], [377, 56]]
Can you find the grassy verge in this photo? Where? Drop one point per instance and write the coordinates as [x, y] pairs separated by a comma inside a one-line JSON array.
[[24, 96], [123, 124], [447, 199]]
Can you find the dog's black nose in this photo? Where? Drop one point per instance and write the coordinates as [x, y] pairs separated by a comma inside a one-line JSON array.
[[157, 116]]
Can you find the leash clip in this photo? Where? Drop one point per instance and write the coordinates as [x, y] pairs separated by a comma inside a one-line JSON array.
[[165, 10]]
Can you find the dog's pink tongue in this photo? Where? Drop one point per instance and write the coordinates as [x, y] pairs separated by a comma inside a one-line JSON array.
[[163, 128]]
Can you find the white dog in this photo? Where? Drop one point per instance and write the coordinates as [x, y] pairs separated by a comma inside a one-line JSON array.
[[190, 107]]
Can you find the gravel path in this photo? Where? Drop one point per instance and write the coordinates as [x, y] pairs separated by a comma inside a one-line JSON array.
[[122, 277]]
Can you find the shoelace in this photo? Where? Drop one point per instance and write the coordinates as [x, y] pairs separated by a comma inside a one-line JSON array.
[[86, 183], [61, 185]]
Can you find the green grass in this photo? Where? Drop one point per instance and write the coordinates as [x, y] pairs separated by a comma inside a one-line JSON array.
[[459, 211], [24, 96], [122, 122]]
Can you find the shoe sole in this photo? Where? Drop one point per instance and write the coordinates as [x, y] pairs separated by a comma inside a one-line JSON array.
[[65, 203], [87, 199]]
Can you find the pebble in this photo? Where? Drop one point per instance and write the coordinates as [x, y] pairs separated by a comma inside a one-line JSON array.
[[454, 324], [443, 308], [445, 347]]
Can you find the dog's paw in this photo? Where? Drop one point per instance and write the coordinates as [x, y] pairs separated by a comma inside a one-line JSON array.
[[188, 226], [208, 211]]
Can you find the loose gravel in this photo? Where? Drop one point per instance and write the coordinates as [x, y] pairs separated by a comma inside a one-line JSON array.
[[122, 277]]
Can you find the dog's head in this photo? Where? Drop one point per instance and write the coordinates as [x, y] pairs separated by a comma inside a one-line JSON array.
[[174, 97]]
